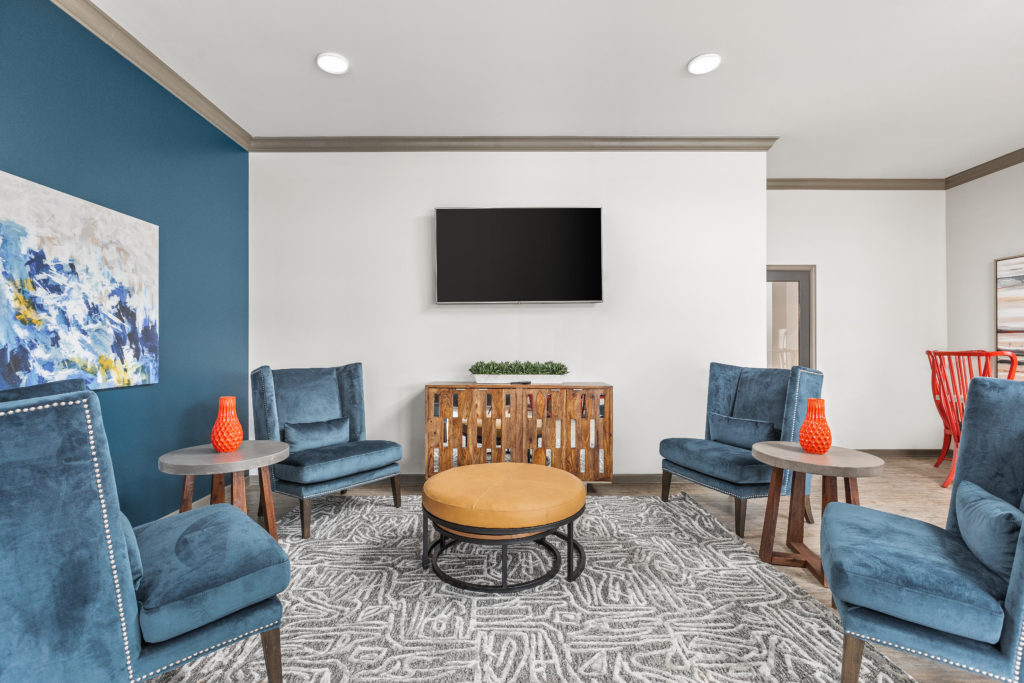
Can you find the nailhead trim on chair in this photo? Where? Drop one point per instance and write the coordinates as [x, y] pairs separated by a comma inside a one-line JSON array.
[[944, 660], [709, 486], [177, 662], [110, 548]]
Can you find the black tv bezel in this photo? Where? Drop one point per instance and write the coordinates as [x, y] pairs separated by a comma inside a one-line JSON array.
[[600, 230]]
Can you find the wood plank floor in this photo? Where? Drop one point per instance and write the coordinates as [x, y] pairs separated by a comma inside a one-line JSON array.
[[909, 487]]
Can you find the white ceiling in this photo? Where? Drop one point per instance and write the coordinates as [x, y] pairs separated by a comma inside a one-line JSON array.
[[866, 88]]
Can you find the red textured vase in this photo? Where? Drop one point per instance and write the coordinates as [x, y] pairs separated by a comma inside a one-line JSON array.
[[815, 436], [226, 435]]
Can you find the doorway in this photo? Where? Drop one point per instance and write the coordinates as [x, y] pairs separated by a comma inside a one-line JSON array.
[[791, 338]]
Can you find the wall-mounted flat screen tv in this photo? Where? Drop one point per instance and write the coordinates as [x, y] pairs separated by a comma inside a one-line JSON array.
[[518, 255]]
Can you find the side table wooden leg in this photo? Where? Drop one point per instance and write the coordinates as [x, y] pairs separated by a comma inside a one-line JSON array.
[[771, 516], [216, 489], [238, 490], [852, 494], [795, 528], [829, 492], [267, 503], [188, 490]]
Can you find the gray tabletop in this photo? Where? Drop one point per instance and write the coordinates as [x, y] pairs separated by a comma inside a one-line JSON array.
[[837, 462], [205, 460]]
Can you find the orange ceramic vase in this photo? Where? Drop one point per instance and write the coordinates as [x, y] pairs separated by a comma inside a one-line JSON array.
[[226, 435], [815, 436]]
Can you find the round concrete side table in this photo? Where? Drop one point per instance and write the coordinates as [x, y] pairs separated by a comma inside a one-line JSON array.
[[837, 462], [199, 460]]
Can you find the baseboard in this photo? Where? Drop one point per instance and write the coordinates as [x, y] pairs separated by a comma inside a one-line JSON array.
[[913, 452], [412, 479]]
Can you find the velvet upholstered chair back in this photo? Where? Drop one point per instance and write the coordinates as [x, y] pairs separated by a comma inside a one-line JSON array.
[[68, 610], [308, 395], [769, 394], [992, 456], [992, 442]]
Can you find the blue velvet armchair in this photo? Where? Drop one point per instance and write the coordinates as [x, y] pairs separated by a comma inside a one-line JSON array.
[[88, 598], [745, 405], [320, 413], [953, 594]]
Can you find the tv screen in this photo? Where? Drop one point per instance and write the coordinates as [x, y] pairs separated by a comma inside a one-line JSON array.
[[513, 255]]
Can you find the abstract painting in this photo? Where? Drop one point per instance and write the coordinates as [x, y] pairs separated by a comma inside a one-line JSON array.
[[1010, 310], [78, 290]]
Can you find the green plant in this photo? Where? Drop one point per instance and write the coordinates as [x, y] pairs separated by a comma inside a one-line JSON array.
[[518, 367]]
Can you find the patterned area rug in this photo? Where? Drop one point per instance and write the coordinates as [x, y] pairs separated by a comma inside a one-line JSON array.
[[668, 594]]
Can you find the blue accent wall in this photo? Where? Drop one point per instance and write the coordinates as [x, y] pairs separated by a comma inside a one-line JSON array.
[[78, 117]]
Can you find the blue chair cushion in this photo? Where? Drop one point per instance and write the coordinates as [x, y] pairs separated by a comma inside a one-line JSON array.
[[740, 432], [989, 526], [910, 570], [719, 460], [761, 395], [332, 462], [307, 395], [134, 557], [203, 565], [302, 436]]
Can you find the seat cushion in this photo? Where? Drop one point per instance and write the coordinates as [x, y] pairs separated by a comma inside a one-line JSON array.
[[910, 570], [720, 460], [333, 462], [302, 436], [203, 565], [740, 432], [989, 526], [504, 495]]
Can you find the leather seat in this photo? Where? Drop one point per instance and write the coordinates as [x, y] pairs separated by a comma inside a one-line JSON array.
[[503, 495]]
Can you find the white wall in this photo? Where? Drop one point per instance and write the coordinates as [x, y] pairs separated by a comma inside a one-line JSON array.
[[341, 268], [985, 221], [881, 302]]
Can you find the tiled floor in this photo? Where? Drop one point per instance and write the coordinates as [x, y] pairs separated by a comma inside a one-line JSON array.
[[910, 486]]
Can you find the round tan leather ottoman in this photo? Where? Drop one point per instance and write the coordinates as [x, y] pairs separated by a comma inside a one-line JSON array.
[[503, 504]]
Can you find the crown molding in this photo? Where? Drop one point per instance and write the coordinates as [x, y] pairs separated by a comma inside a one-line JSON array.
[[113, 34], [987, 168], [856, 184], [401, 143]]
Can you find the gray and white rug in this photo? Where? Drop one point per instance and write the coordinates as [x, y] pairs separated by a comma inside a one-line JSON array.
[[668, 594]]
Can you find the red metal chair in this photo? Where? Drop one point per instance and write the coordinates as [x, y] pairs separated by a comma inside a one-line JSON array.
[[952, 372]]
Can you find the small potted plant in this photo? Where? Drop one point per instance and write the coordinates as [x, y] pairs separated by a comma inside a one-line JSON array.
[[507, 372]]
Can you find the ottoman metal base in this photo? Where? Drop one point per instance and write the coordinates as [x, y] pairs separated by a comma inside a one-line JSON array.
[[450, 535]]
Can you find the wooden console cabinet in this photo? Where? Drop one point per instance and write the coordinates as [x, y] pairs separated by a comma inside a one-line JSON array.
[[568, 426]]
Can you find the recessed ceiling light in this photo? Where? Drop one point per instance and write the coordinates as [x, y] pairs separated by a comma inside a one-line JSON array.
[[332, 63], [704, 64]]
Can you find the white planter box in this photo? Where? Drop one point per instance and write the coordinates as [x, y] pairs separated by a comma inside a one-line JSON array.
[[509, 379]]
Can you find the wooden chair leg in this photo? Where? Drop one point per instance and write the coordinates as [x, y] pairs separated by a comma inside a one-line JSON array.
[[808, 514], [304, 505], [853, 651], [396, 491], [666, 482], [272, 654], [741, 515]]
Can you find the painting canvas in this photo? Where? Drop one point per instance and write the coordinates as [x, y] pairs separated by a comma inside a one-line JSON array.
[[1010, 310], [78, 294]]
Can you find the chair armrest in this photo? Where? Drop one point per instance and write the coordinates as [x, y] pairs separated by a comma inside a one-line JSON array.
[[264, 404]]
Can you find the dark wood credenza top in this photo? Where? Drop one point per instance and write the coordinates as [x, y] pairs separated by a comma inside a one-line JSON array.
[[535, 385]]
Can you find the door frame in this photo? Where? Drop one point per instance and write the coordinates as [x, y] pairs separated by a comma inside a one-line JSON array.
[[805, 275]]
